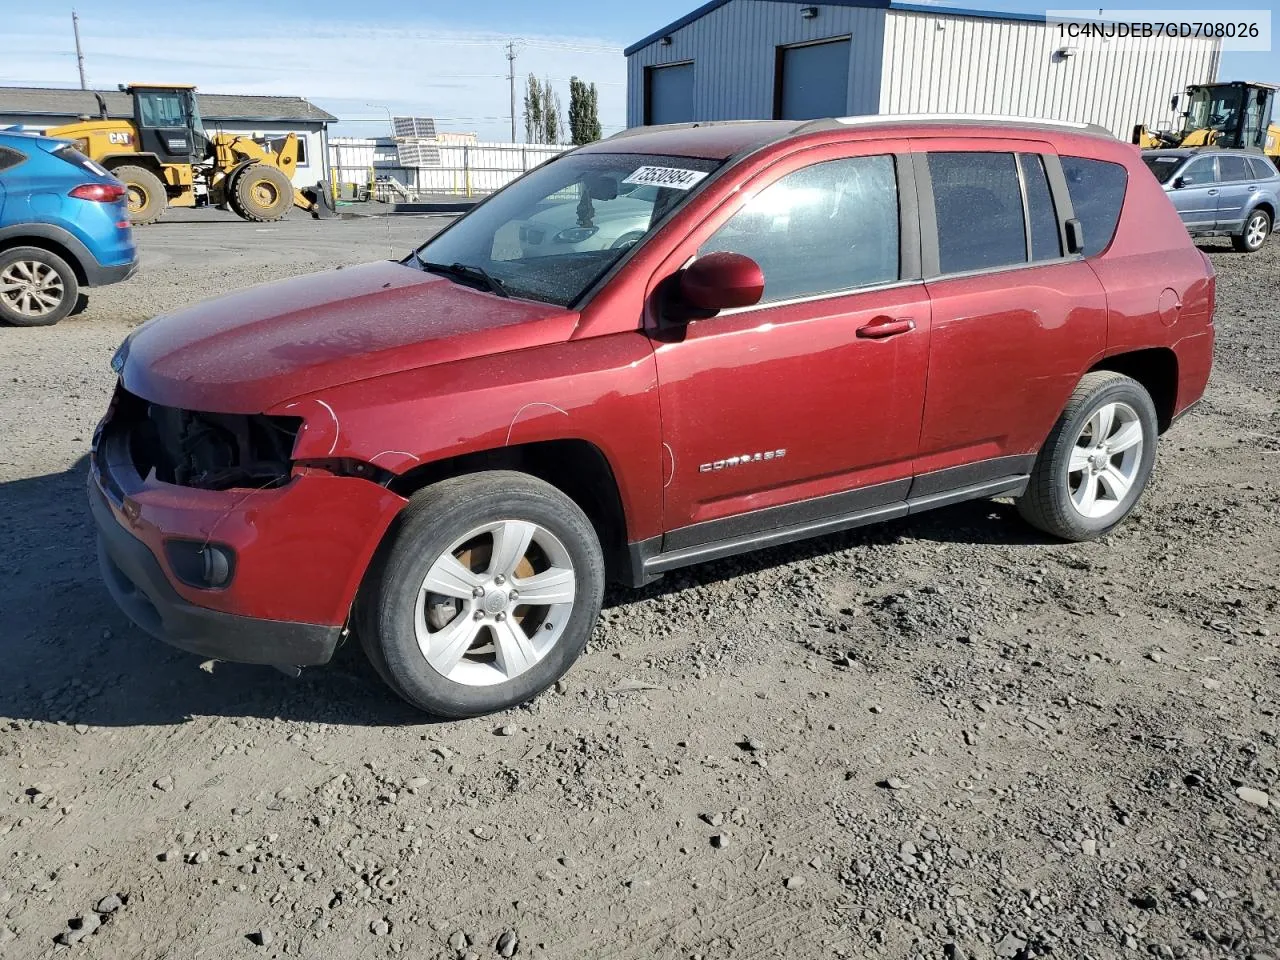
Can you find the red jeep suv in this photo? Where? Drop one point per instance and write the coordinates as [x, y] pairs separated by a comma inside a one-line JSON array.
[[678, 344]]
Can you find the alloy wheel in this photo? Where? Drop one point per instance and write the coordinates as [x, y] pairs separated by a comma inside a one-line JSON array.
[[495, 603], [1256, 231], [1105, 460], [31, 288]]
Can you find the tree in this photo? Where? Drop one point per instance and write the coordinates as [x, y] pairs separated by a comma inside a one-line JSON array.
[[552, 117], [533, 123], [584, 112]]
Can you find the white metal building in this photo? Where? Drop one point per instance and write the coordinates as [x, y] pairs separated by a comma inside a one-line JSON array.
[[800, 59], [40, 108]]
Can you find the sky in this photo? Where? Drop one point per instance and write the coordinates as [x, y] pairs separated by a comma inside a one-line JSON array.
[[442, 60]]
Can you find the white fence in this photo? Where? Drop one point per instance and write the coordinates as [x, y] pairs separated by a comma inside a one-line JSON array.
[[456, 169]]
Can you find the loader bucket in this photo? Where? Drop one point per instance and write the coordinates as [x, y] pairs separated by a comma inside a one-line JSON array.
[[321, 198]]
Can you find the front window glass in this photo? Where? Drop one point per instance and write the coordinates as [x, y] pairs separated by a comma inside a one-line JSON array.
[[832, 226], [552, 233], [1216, 108], [164, 109], [1198, 172]]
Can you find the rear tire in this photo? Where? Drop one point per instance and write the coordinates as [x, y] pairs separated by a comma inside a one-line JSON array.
[[1257, 227], [261, 193], [147, 196], [521, 579], [1097, 460], [37, 288]]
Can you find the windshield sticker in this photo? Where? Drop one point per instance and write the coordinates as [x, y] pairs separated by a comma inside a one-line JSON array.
[[672, 178]]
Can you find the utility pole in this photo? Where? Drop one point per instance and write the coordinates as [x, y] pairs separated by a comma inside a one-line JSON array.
[[75, 25], [511, 79]]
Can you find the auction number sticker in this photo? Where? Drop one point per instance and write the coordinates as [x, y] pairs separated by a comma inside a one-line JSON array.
[[673, 178]]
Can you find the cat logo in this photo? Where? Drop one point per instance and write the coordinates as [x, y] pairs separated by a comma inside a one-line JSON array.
[[120, 137], [746, 458]]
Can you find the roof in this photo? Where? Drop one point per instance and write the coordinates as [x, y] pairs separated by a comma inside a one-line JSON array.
[[71, 104], [931, 8], [720, 140], [713, 140]]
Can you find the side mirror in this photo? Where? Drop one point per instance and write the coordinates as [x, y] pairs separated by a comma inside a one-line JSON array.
[[722, 281], [1179, 182]]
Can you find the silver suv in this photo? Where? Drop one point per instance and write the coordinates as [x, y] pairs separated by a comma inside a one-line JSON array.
[[1220, 193]]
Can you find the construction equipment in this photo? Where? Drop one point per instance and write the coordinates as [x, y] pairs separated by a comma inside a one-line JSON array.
[[166, 158], [1232, 115]]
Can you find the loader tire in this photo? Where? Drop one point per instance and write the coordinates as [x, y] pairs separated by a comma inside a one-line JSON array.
[[147, 196], [262, 193]]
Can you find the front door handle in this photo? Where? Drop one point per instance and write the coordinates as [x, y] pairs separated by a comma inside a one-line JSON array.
[[1213, 193], [882, 327]]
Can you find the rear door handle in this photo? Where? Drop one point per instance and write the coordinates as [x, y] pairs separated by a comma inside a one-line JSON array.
[[882, 327], [1213, 193]]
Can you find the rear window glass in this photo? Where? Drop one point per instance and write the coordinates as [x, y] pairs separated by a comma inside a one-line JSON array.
[[1043, 217], [78, 159], [1261, 168], [1097, 196], [1233, 168], [1162, 166], [10, 158], [978, 203]]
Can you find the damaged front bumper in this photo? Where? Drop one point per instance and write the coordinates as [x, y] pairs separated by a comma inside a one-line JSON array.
[[290, 556]]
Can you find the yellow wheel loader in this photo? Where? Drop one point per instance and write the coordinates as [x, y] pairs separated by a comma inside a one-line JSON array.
[[1234, 115], [166, 158]]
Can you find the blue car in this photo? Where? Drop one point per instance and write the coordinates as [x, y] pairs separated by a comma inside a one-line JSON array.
[[64, 225]]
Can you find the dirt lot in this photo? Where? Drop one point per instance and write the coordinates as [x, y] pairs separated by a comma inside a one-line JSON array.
[[945, 737]]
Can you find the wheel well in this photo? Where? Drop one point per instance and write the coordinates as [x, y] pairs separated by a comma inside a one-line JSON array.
[[1157, 370], [53, 247], [1268, 208], [148, 161], [576, 468]]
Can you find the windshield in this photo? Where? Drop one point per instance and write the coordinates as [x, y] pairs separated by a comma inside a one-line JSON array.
[[1217, 108], [551, 234], [1163, 166]]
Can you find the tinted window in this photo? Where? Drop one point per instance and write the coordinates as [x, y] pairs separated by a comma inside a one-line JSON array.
[[10, 158], [1045, 241], [1261, 168], [78, 159], [1233, 168], [1162, 166], [1097, 190], [1198, 172], [832, 226], [979, 210]]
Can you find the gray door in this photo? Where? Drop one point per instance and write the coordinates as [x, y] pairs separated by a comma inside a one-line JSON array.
[[1235, 191], [669, 94], [813, 81], [1195, 194]]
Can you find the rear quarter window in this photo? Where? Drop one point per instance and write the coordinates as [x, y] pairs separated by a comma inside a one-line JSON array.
[[1261, 167], [1097, 189], [10, 158], [78, 159]]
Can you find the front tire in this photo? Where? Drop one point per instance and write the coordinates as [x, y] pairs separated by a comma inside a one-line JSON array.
[[1097, 460], [1256, 230], [37, 288], [262, 193], [484, 594]]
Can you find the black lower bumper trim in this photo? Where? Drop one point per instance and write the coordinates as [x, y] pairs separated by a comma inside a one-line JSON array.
[[139, 587]]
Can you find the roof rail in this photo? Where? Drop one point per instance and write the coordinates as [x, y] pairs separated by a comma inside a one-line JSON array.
[[656, 127], [871, 119]]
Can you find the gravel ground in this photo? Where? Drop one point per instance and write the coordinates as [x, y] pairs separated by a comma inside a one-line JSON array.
[[944, 737]]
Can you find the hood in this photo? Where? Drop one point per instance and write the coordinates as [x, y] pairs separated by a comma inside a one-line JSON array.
[[251, 350]]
